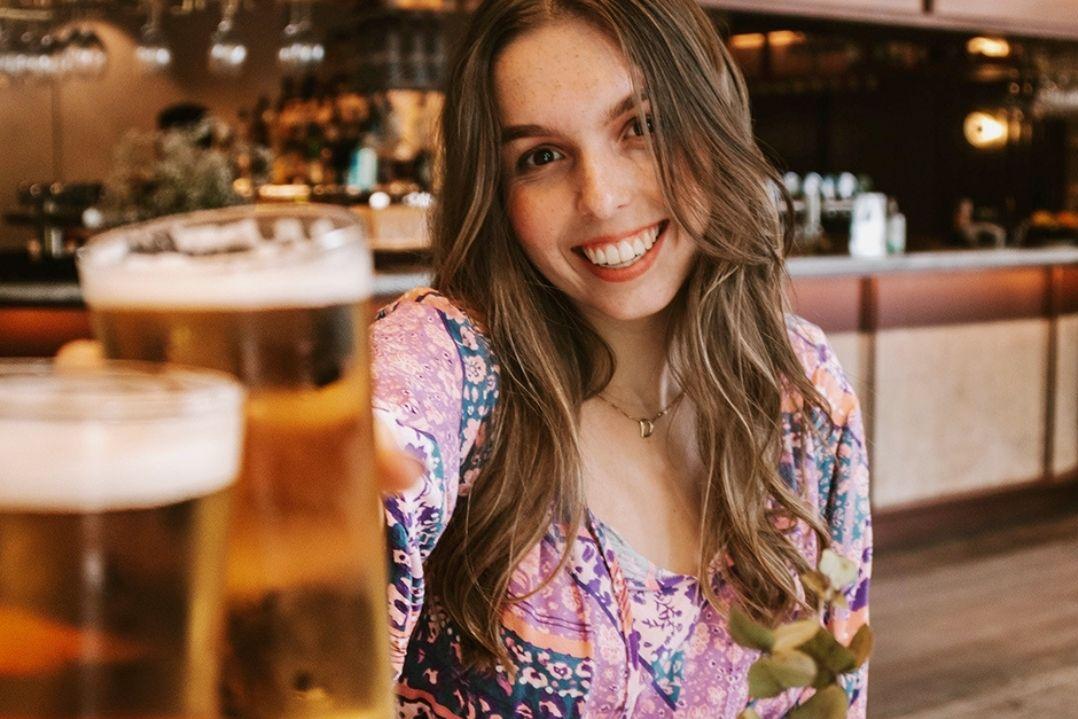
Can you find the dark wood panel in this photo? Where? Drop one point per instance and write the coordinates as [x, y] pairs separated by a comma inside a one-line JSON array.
[[1065, 289], [928, 299], [936, 520], [833, 303], [40, 331]]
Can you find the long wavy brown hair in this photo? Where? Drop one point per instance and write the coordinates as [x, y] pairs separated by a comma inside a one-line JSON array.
[[727, 342]]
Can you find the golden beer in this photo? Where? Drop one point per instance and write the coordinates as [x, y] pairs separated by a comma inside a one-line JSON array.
[[114, 491], [278, 297]]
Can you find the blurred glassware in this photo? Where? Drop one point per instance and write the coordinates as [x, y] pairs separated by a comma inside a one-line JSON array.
[[7, 51], [847, 186], [828, 187], [868, 225], [1056, 92], [54, 62], [228, 54], [301, 48], [29, 54], [152, 52], [792, 182], [85, 55]]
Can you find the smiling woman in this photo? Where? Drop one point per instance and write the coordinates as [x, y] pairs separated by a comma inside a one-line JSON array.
[[625, 432], [580, 184]]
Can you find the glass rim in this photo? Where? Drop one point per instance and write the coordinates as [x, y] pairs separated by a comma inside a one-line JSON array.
[[351, 233], [232, 257], [113, 391]]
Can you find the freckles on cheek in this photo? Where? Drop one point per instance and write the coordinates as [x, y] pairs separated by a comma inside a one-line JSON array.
[[530, 217]]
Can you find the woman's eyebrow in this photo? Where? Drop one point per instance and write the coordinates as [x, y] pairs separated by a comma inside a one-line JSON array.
[[517, 132]]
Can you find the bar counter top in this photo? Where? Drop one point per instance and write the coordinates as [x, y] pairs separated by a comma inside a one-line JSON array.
[[65, 293], [938, 261], [390, 283]]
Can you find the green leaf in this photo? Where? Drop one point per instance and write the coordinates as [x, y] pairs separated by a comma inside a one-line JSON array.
[[861, 644], [762, 682], [793, 668], [748, 633], [824, 677], [828, 703], [817, 583], [840, 571], [828, 653], [749, 713], [770, 676], [792, 635]]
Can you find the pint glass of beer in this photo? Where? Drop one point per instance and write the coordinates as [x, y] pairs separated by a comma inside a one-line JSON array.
[[114, 487], [278, 296]]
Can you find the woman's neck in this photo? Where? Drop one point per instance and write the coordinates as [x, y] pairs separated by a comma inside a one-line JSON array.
[[642, 382]]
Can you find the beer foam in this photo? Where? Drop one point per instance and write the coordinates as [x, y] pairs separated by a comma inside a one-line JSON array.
[[285, 261], [60, 456]]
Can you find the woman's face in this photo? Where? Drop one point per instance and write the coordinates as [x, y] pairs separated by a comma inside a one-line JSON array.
[[581, 186]]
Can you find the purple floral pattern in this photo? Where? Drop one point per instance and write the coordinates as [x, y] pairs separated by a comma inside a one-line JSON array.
[[611, 635]]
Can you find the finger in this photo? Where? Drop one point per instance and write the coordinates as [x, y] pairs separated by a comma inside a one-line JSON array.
[[397, 470], [79, 354]]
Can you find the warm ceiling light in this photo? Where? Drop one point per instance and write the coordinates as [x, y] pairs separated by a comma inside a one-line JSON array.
[[781, 38], [988, 47], [748, 41], [985, 130]]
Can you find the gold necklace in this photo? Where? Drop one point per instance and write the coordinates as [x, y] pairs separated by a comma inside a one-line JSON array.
[[647, 424]]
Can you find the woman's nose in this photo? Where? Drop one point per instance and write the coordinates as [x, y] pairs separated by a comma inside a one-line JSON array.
[[605, 186]]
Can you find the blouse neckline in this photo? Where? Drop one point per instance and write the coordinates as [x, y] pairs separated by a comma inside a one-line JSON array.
[[639, 571]]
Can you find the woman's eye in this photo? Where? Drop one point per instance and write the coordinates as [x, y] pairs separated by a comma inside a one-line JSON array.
[[538, 158], [640, 130]]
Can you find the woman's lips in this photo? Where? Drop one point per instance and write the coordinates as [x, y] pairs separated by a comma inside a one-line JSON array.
[[626, 274]]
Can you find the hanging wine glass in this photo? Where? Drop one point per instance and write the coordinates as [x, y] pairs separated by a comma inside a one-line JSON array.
[[227, 54], [57, 44], [7, 52], [301, 49], [152, 52], [86, 54], [30, 56]]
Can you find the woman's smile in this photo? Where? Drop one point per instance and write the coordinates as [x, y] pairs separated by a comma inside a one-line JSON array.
[[625, 259]]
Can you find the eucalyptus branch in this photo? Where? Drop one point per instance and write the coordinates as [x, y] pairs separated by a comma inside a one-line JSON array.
[[804, 653]]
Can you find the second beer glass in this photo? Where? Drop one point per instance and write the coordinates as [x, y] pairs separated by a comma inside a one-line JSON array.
[[277, 296]]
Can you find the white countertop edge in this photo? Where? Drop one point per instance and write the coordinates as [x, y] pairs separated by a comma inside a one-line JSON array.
[[932, 261], [61, 293], [390, 284]]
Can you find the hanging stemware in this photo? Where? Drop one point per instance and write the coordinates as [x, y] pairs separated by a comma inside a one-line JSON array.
[[85, 55], [152, 52], [227, 54], [301, 48]]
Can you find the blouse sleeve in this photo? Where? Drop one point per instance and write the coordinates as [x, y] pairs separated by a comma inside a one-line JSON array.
[[837, 470], [843, 497], [848, 518], [434, 387]]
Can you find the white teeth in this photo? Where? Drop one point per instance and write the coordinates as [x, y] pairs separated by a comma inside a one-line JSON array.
[[653, 234], [626, 252]]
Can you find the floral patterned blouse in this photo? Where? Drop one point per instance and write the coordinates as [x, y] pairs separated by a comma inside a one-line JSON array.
[[612, 635]]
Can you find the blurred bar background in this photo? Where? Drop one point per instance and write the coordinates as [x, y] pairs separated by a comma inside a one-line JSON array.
[[930, 147]]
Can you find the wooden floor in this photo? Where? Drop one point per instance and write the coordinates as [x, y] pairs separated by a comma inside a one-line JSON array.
[[979, 628]]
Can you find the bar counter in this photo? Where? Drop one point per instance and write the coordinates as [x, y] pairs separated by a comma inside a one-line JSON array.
[[966, 364]]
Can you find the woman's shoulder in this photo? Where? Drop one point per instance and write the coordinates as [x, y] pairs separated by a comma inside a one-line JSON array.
[[822, 367], [427, 301], [424, 317]]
